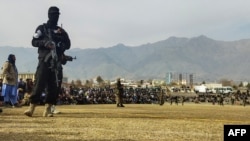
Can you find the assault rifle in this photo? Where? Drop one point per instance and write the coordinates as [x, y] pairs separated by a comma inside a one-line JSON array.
[[67, 58], [54, 58]]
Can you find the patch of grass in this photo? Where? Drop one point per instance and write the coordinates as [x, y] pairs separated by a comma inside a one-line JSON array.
[[135, 122]]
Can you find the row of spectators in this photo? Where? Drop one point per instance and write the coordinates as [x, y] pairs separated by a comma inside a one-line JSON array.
[[144, 96], [107, 95]]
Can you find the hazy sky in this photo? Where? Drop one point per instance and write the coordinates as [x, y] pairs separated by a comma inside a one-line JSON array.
[[105, 23]]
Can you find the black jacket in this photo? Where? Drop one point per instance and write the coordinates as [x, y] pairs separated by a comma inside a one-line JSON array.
[[58, 35]]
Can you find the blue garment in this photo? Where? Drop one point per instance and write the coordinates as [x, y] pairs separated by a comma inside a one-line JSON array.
[[9, 92]]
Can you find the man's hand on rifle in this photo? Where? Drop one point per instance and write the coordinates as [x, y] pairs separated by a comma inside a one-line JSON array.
[[50, 44]]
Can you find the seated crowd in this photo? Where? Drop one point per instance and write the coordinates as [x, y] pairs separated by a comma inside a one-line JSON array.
[[107, 95]]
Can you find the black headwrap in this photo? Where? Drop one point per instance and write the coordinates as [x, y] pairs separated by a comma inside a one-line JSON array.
[[53, 14], [11, 59]]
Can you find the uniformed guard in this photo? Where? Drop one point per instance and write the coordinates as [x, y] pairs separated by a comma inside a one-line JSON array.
[[182, 99], [161, 97], [244, 99], [119, 94]]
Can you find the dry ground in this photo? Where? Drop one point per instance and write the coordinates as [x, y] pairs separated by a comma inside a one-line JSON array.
[[191, 122]]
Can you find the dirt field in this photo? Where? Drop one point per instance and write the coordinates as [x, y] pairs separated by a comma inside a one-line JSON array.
[[192, 122]]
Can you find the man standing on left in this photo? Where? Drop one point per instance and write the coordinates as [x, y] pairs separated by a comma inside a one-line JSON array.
[[10, 80]]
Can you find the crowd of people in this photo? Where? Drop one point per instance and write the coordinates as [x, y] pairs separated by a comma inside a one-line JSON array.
[[70, 95], [240, 98], [107, 95], [131, 95]]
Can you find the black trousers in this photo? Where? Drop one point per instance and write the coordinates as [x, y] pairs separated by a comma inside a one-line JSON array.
[[45, 79]]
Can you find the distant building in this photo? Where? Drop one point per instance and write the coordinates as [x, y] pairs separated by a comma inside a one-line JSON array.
[[169, 77], [244, 83], [183, 82], [31, 76], [24, 76], [180, 78], [213, 85], [156, 82], [65, 80]]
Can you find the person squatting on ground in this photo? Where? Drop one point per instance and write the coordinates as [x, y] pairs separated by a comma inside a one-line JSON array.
[[48, 37], [28, 91], [21, 89], [174, 99], [10, 81], [119, 96]]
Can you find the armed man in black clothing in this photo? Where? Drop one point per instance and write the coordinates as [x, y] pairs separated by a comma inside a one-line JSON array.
[[51, 41], [119, 95]]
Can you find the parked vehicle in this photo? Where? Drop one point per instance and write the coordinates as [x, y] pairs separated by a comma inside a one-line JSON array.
[[200, 89], [223, 90]]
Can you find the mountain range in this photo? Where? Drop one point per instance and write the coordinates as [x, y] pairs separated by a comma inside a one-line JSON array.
[[207, 59]]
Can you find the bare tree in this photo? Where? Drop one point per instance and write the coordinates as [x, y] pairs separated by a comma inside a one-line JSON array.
[[99, 80], [226, 82]]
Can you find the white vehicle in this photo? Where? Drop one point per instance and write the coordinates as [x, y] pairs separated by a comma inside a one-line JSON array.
[[223, 90], [200, 89]]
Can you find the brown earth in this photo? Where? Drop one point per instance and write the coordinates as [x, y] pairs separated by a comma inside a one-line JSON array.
[[135, 122]]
